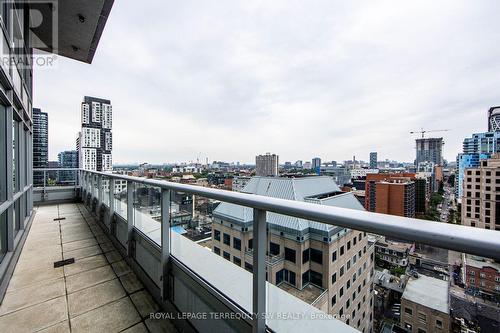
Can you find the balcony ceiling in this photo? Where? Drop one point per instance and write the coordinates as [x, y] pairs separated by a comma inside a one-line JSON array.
[[79, 28]]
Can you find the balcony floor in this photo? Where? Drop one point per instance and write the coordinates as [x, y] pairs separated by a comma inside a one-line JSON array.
[[97, 293]]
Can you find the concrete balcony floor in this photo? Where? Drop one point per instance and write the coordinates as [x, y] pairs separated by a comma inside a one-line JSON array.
[[97, 293]]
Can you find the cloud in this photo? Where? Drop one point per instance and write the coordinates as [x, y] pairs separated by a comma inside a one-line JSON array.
[[230, 79]]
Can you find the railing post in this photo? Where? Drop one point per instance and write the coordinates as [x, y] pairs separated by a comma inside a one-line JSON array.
[[130, 215], [86, 182], [100, 191], [165, 242], [89, 186], [259, 271], [111, 200], [92, 187], [81, 174]]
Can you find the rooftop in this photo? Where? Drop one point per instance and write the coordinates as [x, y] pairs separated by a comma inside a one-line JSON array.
[[479, 262], [320, 190], [387, 280], [309, 294], [429, 292], [399, 246]]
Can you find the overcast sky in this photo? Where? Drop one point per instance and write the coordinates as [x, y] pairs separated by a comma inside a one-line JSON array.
[[228, 79]]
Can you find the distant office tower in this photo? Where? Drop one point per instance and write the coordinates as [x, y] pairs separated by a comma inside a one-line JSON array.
[[266, 165], [316, 164], [95, 141], [67, 159], [494, 119], [392, 194], [373, 160], [298, 164], [430, 150], [40, 144], [481, 195]]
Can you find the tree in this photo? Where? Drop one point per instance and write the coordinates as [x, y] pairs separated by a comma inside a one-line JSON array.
[[398, 271], [441, 188]]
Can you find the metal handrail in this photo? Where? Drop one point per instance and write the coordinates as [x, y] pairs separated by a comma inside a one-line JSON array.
[[460, 238]]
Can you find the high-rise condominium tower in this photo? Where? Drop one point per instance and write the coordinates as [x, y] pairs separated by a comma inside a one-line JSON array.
[[40, 144], [266, 165], [95, 141], [429, 150]]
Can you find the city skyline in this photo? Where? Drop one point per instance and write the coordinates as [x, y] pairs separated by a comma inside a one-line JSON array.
[[303, 90]]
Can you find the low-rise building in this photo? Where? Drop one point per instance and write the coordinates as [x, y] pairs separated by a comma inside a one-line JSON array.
[[239, 183], [388, 292], [425, 305], [482, 275], [390, 254]]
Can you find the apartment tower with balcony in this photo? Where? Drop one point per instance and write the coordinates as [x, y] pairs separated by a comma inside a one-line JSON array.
[[329, 267], [95, 140], [476, 148]]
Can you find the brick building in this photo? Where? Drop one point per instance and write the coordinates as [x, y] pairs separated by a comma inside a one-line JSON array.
[[392, 194], [482, 274], [425, 305]]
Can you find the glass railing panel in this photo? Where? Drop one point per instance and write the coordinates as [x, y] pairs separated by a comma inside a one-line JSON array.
[[105, 185], [54, 177], [120, 197], [191, 218], [209, 248], [65, 177], [147, 212]]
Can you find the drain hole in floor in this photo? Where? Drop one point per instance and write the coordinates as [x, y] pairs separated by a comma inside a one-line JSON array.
[[64, 262]]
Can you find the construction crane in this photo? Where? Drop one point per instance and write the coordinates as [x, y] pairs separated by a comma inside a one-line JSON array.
[[422, 131]]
